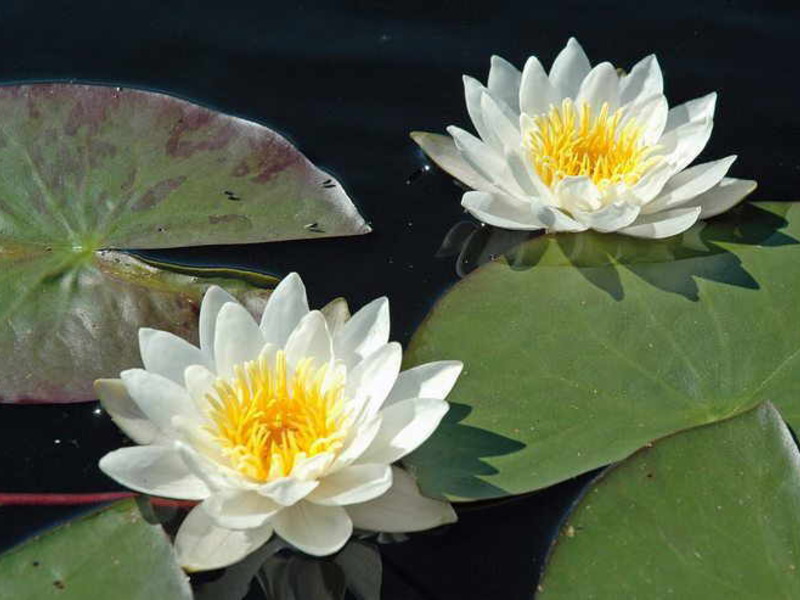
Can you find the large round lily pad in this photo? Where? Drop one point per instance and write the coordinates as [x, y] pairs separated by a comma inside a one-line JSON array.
[[710, 513], [88, 168], [112, 553], [580, 349]]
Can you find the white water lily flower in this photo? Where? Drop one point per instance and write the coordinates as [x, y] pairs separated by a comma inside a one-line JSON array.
[[290, 426], [585, 148]]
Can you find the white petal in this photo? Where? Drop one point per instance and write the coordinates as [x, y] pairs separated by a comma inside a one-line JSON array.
[[201, 545], [504, 81], [370, 382], [578, 193], [689, 183], [681, 145], [287, 490], [663, 224], [501, 210], [649, 113], [699, 109], [336, 313], [203, 457], [473, 91], [360, 439], [310, 339], [199, 382], [569, 69], [286, 306], [536, 93], [644, 80], [313, 466], [240, 509], [154, 470], [556, 220], [364, 333], [314, 529], [484, 159], [159, 398], [504, 127], [442, 150], [401, 509], [723, 196], [600, 86], [405, 426], [124, 411], [652, 182], [166, 354], [431, 380], [609, 218], [354, 484], [238, 338], [214, 299]]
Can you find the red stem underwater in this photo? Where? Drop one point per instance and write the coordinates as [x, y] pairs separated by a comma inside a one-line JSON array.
[[23, 499]]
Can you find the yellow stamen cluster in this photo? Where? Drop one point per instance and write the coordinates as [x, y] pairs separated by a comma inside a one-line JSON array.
[[572, 141], [266, 419]]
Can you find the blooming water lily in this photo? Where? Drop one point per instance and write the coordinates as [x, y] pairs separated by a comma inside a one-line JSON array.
[[585, 148], [286, 427]]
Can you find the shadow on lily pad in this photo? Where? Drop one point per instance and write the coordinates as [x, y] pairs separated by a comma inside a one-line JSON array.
[[451, 463], [708, 250]]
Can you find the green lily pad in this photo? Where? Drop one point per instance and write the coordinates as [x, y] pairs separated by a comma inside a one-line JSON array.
[[111, 553], [92, 168], [709, 513], [583, 349], [70, 319]]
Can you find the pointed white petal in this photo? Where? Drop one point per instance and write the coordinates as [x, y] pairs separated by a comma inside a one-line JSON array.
[[125, 413], [687, 184], [370, 381], [351, 485], [238, 338], [473, 90], [578, 193], [663, 224], [600, 86], [484, 159], [699, 109], [313, 467], [504, 127], [310, 339], [405, 426], [681, 145], [723, 196], [287, 490], [240, 509], [199, 382], [442, 150], [360, 439], [336, 313], [314, 529], [536, 93], [402, 509], [166, 354], [154, 470], [644, 80], [286, 306], [364, 333], [652, 182], [202, 545], [609, 218], [159, 398], [504, 81], [431, 380], [650, 113], [569, 69], [555, 220], [501, 210], [215, 298]]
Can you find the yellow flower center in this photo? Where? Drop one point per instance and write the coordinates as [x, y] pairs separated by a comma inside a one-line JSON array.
[[267, 420], [571, 141]]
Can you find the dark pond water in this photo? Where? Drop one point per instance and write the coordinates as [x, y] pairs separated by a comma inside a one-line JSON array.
[[346, 82]]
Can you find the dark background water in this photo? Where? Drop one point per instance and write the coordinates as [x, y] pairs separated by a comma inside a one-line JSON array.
[[346, 82]]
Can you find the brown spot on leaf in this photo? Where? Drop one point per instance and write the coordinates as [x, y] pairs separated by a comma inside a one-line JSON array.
[[158, 192], [198, 130], [59, 585]]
